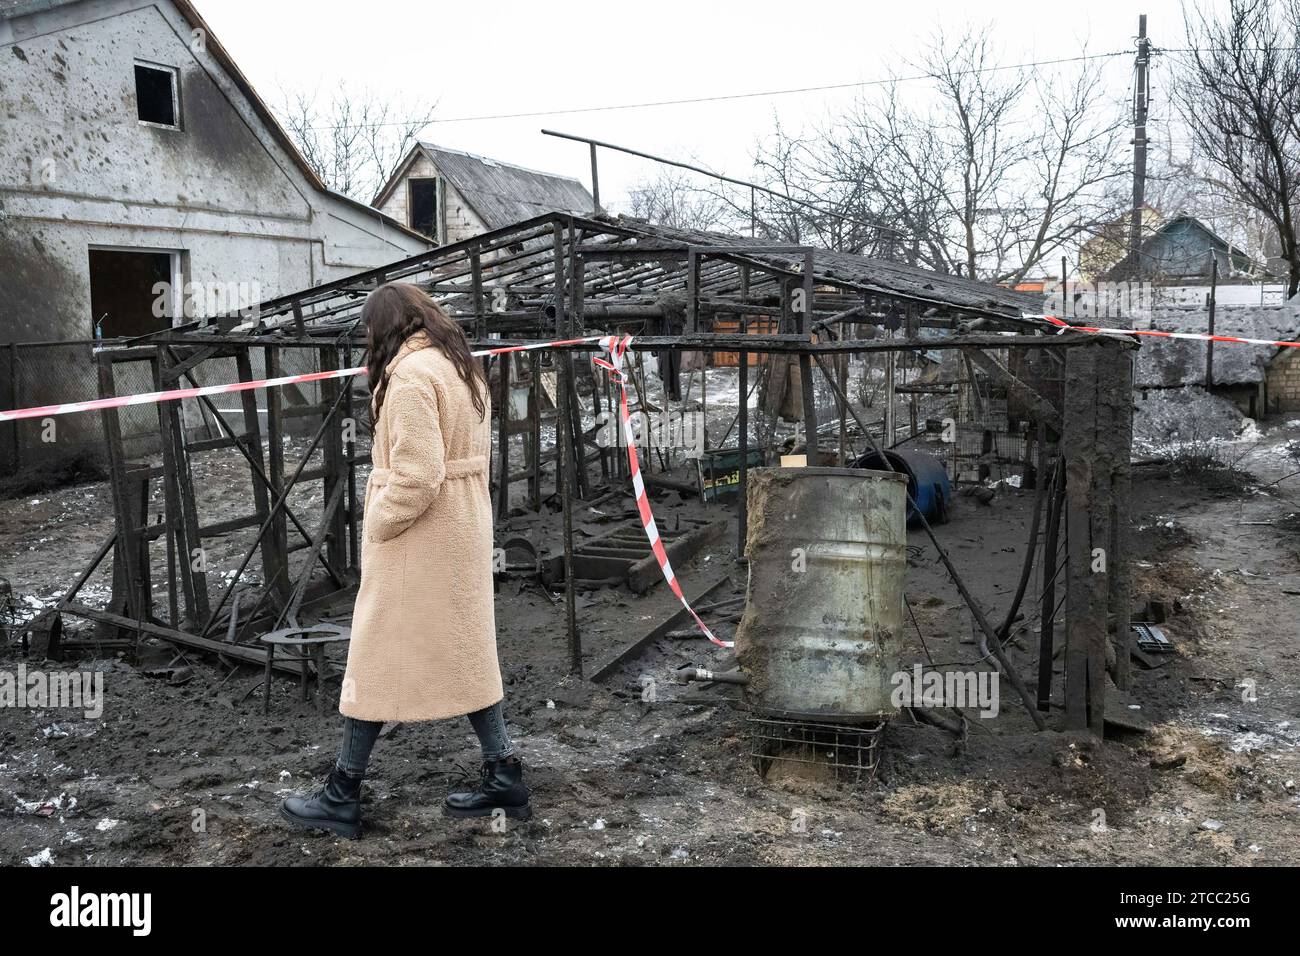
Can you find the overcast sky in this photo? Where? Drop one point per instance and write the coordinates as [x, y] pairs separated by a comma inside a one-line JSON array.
[[513, 56]]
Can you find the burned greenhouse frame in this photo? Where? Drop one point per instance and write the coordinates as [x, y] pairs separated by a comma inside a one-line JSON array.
[[553, 279]]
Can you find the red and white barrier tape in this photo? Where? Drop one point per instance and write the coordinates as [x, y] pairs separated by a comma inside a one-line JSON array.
[[1194, 336], [176, 394], [616, 346]]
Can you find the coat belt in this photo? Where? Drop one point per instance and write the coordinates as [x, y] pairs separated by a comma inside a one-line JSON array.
[[456, 468], [464, 467]]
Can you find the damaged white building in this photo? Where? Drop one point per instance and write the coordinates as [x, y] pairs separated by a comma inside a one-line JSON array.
[[139, 170]]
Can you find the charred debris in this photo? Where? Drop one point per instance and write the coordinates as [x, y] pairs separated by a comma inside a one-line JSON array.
[[1024, 403]]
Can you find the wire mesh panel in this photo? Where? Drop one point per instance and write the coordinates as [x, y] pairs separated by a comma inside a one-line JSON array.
[[850, 753], [48, 373]]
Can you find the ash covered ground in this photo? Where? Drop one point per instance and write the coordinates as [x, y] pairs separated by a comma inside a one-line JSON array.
[[184, 768]]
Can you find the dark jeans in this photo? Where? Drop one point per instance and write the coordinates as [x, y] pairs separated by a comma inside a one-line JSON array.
[[359, 738]]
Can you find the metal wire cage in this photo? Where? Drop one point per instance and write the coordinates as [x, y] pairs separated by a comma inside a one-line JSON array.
[[848, 752]]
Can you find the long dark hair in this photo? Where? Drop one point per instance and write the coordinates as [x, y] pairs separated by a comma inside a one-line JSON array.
[[398, 310]]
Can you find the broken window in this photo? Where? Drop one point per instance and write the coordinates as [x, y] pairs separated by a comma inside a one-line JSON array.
[[423, 210], [156, 95]]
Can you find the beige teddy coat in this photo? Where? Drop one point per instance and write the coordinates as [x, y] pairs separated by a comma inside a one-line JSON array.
[[424, 627]]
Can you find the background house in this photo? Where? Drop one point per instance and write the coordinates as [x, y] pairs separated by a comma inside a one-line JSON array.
[[451, 196], [133, 152], [1108, 245], [1184, 249], [1176, 264]]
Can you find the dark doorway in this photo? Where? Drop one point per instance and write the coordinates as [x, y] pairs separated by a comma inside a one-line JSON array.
[[125, 293], [424, 207]]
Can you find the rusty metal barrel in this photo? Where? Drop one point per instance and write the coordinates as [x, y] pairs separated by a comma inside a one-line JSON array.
[[827, 550]]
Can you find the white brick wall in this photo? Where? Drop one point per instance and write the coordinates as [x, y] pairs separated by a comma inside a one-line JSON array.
[[459, 221]]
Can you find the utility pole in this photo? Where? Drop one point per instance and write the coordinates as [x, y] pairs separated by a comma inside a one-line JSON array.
[[1141, 89]]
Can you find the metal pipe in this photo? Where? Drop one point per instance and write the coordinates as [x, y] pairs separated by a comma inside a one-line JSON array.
[[752, 187], [704, 674]]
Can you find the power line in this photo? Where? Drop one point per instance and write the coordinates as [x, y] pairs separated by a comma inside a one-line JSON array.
[[747, 96], [726, 97]]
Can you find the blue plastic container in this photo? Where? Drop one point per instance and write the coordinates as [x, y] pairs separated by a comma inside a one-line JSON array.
[[928, 488]]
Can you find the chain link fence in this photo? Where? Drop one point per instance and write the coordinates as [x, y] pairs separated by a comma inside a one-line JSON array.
[[47, 373]]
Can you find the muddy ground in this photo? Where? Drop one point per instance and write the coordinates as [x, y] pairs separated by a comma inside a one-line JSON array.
[[184, 768]]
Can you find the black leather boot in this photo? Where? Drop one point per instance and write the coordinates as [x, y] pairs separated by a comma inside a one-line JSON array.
[[502, 787], [335, 807]]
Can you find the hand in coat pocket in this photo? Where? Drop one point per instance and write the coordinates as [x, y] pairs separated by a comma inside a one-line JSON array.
[[416, 460], [380, 524]]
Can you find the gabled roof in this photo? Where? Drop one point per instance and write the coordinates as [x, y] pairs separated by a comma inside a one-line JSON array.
[[12, 9], [1192, 222], [500, 193], [1155, 248]]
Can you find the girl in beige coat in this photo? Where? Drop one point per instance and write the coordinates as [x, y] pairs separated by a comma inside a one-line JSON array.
[[423, 631]]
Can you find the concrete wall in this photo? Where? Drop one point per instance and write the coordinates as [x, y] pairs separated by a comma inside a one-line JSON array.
[[78, 169], [1283, 381], [457, 221]]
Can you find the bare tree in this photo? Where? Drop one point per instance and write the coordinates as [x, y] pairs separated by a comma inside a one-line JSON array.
[[827, 206], [353, 139], [986, 173], [1239, 96], [1073, 167], [674, 199]]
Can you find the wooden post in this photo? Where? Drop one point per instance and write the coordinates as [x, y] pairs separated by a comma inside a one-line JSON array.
[[126, 554], [476, 285], [742, 520], [565, 472], [275, 547], [335, 467], [842, 378], [171, 498], [535, 430], [1047, 605], [353, 513], [891, 423], [1120, 523], [805, 363], [1209, 346], [1096, 442], [191, 553], [692, 291]]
